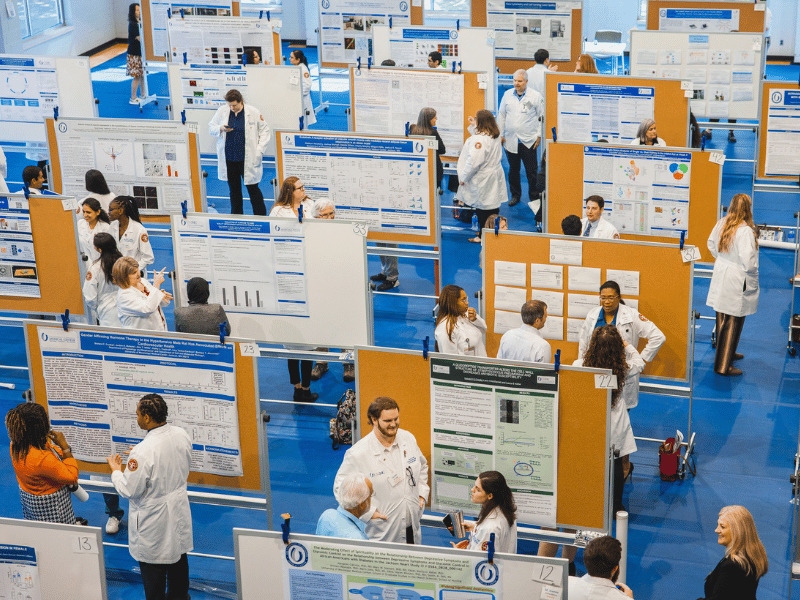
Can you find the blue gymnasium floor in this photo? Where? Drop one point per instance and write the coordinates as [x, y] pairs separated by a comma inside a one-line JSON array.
[[747, 427]]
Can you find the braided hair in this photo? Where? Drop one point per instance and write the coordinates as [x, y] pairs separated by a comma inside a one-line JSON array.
[[129, 206], [28, 426], [153, 405]]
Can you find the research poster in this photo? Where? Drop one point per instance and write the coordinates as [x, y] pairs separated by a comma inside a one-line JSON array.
[[345, 32], [19, 573], [204, 86], [160, 11], [95, 379], [487, 417], [698, 19], [28, 88], [783, 134], [19, 275], [254, 266], [218, 41], [148, 160], [646, 191], [524, 27], [385, 100], [385, 182], [314, 570], [410, 47], [589, 113]]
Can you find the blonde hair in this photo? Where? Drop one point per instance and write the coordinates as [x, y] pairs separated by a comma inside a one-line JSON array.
[[740, 211], [123, 269], [745, 549]]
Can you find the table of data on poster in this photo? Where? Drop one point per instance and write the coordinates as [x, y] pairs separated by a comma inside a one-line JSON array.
[[783, 134], [19, 573], [148, 160], [382, 181], [346, 26], [221, 41], [410, 47], [488, 417], [95, 379], [19, 275], [522, 28], [204, 86], [161, 9], [254, 265], [646, 192]]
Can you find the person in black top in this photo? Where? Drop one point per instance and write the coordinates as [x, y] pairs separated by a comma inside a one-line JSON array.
[[426, 125], [134, 69]]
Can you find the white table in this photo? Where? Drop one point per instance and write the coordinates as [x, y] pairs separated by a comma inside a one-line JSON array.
[[597, 49]]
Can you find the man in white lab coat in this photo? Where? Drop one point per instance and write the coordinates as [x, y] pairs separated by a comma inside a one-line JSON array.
[[594, 225], [537, 72], [160, 522], [242, 138], [526, 343], [391, 459]]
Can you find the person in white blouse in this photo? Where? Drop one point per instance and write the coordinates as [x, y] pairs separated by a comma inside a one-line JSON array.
[[99, 290], [97, 187], [646, 135], [138, 302], [498, 515], [291, 197], [126, 226], [95, 220], [459, 328], [525, 343], [298, 57]]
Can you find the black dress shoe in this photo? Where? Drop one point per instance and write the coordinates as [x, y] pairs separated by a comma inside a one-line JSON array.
[[378, 277], [301, 395], [513, 202], [738, 356]]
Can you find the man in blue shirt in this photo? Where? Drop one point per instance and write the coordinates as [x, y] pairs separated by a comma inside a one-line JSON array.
[[355, 500]]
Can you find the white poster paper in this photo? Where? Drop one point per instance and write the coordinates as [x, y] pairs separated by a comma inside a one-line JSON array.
[[524, 27], [509, 273], [590, 112], [19, 275], [783, 134], [628, 281], [583, 279], [579, 305], [221, 41], [161, 9], [505, 321], [700, 19], [566, 252], [574, 329], [410, 46], [28, 88], [346, 26], [553, 328], [547, 276], [509, 298], [19, 573], [554, 301]]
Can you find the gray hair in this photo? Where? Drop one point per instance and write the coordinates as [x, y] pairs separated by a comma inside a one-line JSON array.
[[532, 310], [353, 491], [523, 72], [321, 204], [641, 133]]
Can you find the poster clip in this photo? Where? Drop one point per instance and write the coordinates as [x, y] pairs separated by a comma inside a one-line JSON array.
[[683, 237], [55, 113], [358, 63], [390, 22], [244, 59], [65, 320], [223, 329], [182, 15], [184, 58], [300, 213], [261, 14], [183, 117], [453, 66], [459, 67], [490, 551], [555, 137], [407, 128], [557, 362], [425, 346], [302, 123], [169, 13], [184, 208], [497, 226], [267, 15], [703, 139], [369, 63], [27, 191], [285, 527], [458, 24]]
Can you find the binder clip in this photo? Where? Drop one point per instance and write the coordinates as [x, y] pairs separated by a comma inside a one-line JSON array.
[[703, 139], [182, 15], [301, 123], [27, 191], [169, 13], [244, 59], [390, 22], [55, 113], [557, 363], [369, 63], [555, 137], [683, 238], [65, 320], [497, 226], [300, 213], [453, 66], [184, 58], [425, 345], [267, 15], [459, 67], [184, 208], [223, 329], [490, 550], [285, 527], [261, 14], [458, 24], [183, 117], [358, 63], [407, 128]]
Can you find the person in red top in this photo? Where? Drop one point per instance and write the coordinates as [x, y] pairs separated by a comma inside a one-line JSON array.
[[43, 464]]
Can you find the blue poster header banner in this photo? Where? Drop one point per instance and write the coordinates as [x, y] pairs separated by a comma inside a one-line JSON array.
[[427, 34], [605, 90], [17, 554], [695, 13], [698, 39], [530, 5], [239, 226], [115, 343], [791, 98], [637, 153], [16, 62], [335, 142]]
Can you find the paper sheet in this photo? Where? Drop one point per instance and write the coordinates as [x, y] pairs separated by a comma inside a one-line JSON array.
[[584, 279], [579, 305], [509, 273], [547, 276], [566, 252], [628, 281], [509, 298], [574, 330], [504, 320], [553, 328], [554, 301]]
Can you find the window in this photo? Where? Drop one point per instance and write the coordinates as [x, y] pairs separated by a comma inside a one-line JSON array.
[[642, 14], [37, 16], [445, 13]]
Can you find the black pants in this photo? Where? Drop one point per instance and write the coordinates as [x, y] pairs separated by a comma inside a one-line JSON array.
[[166, 582], [483, 215], [526, 156], [235, 176], [300, 372], [729, 329]]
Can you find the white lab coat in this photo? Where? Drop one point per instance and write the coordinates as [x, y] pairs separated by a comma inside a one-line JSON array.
[[525, 344], [734, 282], [3, 173], [310, 117], [621, 434], [518, 118], [505, 537], [256, 138], [138, 310], [288, 213], [86, 237], [367, 457], [160, 520], [593, 588], [101, 296], [536, 76], [601, 229], [103, 199], [480, 170], [135, 243], [638, 142], [632, 326], [468, 338]]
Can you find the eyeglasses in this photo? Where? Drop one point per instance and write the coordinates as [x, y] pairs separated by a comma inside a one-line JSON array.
[[411, 476], [608, 298], [327, 215], [302, 187]]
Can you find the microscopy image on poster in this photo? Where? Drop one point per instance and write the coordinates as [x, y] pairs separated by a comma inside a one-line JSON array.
[[19, 275], [160, 9], [522, 28], [346, 26], [218, 41], [410, 47]]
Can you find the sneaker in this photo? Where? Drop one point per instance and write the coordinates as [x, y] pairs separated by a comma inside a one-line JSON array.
[[133, 101], [349, 373], [112, 525], [513, 202], [319, 370], [81, 521], [378, 277], [301, 395], [731, 137], [387, 285]]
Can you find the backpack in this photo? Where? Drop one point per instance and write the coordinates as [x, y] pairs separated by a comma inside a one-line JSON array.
[[342, 425]]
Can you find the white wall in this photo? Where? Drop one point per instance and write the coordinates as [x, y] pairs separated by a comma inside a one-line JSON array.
[[783, 27], [619, 15], [93, 22]]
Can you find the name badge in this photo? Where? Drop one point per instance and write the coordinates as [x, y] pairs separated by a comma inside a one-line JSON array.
[[394, 479]]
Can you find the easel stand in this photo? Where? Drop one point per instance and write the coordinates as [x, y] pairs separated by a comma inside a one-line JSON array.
[[148, 97], [435, 255]]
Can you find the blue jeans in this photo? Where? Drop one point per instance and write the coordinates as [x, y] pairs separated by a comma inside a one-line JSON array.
[[112, 506]]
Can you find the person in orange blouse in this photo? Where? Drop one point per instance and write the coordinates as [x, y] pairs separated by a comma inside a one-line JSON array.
[[43, 463]]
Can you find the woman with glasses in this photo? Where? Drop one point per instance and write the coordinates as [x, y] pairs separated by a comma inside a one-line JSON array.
[[291, 197]]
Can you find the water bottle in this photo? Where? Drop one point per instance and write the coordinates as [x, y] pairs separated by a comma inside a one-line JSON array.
[[475, 222], [791, 233]]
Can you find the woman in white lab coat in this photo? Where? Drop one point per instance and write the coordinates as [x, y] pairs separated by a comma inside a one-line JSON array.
[[98, 188], [482, 182], [127, 228], [139, 303], [95, 220], [291, 197], [733, 292], [297, 57], [99, 290], [459, 328], [498, 515]]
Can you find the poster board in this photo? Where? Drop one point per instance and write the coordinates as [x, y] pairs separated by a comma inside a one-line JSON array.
[[510, 19], [156, 13], [69, 560], [223, 41], [670, 107], [379, 101], [263, 561], [471, 48], [323, 300], [205, 87], [57, 250], [345, 27], [387, 181], [724, 69], [566, 198], [252, 446], [780, 133], [672, 279], [32, 86], [155, 161], [705, 16], [583, 498]]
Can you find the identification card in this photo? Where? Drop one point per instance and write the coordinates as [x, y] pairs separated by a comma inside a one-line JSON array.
[[394, 479]]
